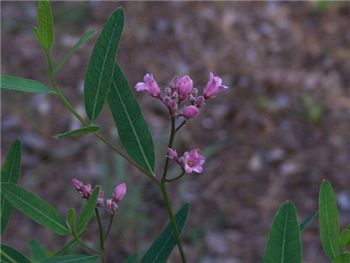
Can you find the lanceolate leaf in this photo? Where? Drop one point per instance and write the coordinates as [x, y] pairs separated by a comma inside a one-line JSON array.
[[74, 258], [11, 255], [307, 221], [37, 251], [345, 238], [74, 49], [161, 248], [35, 208], [78, 132], [44, 31], [88, 211], [132, 128], [284, 244], [24, 85], [9, 173], [342, 258], [328, 217], [101, 65]]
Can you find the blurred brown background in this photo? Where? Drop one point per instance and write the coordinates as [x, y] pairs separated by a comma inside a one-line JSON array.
[[283, 126]]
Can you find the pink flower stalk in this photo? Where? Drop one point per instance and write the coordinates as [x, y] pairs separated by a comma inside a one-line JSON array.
[[185, 86], [172, 154], [192, 161], [77, 184], [119, 192], [190, 111], [213, 87], [148, 85], [111, 206], [100, 198]]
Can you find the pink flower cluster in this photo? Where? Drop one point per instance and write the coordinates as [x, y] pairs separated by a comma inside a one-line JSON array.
[[85, 191], [181, 90], [190, 161]]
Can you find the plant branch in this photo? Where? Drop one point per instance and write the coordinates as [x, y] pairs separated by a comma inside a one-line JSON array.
[[109, 226], [100, 228], [98, 135], [83, 245], [175, 178]]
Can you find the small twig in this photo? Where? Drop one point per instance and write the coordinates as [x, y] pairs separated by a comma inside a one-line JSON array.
[[175, 178]]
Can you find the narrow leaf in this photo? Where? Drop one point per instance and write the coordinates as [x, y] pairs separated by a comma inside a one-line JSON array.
[[307, 221], [328, 217], [78, 132], [284, 244], [35, 208], [23, 85], [161, 248], [342, 258], [131, 259], [345, 238], [45, 24], [132, 128], [37, 251], [74, 258], [101, 65], [86, 37], [71, 218], [88, 211], [11, 255], [9, 173]]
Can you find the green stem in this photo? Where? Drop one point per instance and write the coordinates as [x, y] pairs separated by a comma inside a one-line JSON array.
[[100, 228], [83, 245], [175, 178], [109, 226], [166, 200], [70, 108]]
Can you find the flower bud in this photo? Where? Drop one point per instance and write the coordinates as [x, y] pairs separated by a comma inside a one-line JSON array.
[[100, 198], [213, 87], [111, 206], [148, 85], [190, 111], [185, 87], [86, 191], [77, 184], [199, 101], [168, 91], [119, 192], [172, 154], [194, 92], [174, 84]]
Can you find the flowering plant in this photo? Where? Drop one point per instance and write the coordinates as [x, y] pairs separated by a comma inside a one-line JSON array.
[[104, 83]]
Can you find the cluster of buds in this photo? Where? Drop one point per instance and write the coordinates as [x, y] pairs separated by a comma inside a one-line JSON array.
[[85, 191], [181, 90], [190, 162]]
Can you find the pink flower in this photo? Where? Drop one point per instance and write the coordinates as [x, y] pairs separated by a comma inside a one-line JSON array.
[[77, 184], [86, 191], [190, 111], [100, 198], [172, 154], [192, 161], [148, 85], [111, 206], [185, 86], [119, 192], [213, 87]]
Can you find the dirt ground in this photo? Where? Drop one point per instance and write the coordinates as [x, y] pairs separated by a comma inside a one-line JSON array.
[[281, 129]]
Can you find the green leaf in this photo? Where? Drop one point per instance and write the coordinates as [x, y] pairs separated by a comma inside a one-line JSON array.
[[88, 211], [328, 217], [23, 85], [35, 208], [131, 259], [86, 37], [9, 173], [99, 74], [11, 255], [161, 248], [345, 238], [44, 32], [74, 258], [132, 128], [37, 251], [78, 132], [284, 244], [307, 221], [71, 218], [342, 258]]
